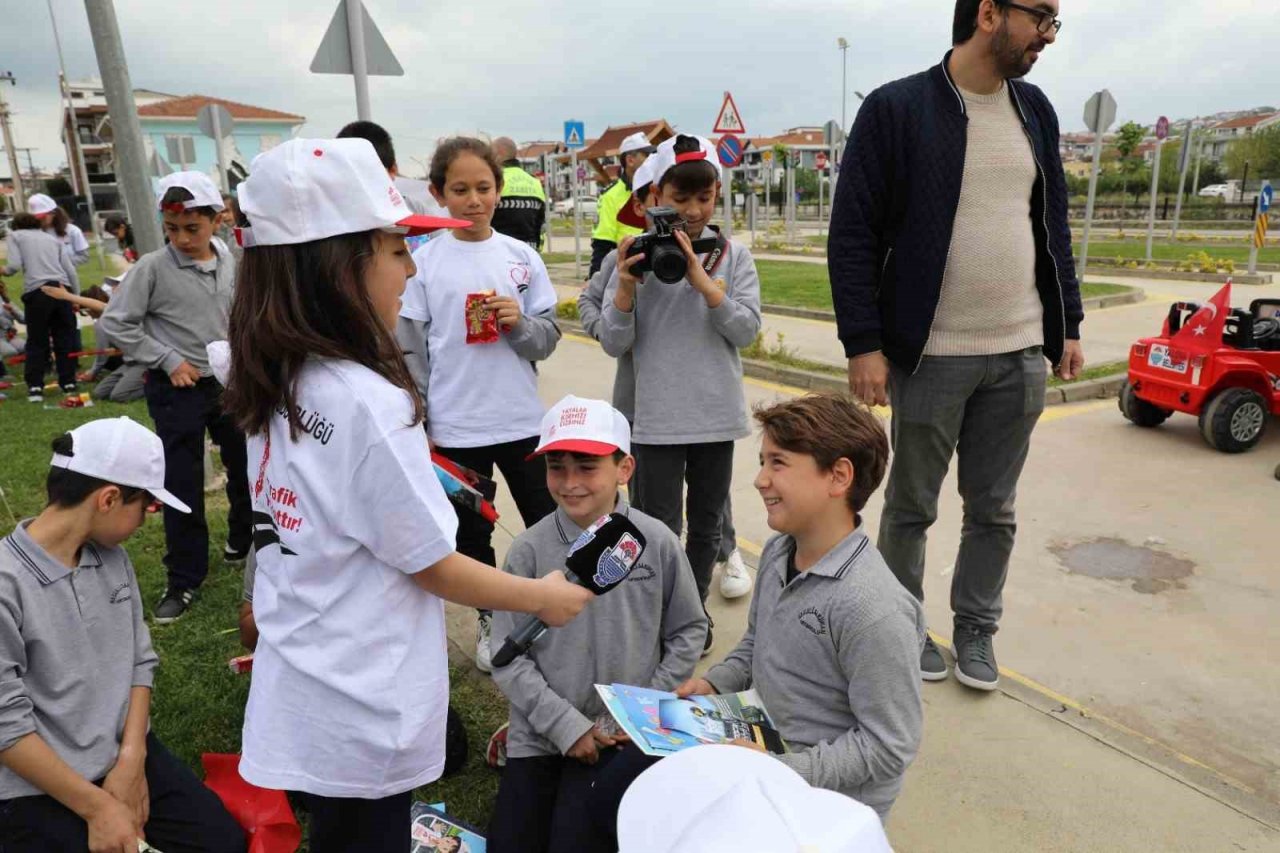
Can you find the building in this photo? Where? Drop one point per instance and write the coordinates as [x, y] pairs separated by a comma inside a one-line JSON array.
[[171, 135], [1221, 136]]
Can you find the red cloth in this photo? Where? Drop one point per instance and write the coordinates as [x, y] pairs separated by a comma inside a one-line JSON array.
[[1202, 333], [266, 816]]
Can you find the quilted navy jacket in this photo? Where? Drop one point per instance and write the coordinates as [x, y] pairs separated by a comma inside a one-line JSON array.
[[895, 206]]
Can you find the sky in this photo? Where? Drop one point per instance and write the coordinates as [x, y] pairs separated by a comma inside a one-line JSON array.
[[520, 68]]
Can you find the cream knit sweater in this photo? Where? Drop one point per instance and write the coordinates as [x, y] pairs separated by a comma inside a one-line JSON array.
[[989, 302]]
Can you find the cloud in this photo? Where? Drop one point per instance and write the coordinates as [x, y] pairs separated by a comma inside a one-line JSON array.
[[521, 69]]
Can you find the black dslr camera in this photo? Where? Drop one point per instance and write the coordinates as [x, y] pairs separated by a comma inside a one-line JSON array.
[[662, 254]]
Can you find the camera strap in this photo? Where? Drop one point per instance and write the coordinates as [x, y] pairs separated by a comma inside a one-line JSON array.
[[716, 256]]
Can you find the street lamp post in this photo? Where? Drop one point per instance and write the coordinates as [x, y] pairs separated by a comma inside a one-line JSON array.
[[843, 44]]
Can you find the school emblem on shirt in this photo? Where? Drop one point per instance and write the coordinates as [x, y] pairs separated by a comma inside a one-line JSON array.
[[814, 621], [642, 572], [614, 564], [121, 594]]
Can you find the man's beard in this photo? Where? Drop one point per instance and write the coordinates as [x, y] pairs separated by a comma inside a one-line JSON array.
[[1011, 59]]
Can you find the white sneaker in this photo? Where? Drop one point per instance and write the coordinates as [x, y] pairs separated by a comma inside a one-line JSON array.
[[484, 660], [735, 582]]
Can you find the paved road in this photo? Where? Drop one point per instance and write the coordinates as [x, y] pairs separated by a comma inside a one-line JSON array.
[[1170, 655]]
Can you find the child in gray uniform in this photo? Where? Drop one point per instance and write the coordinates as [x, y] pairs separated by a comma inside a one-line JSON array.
[[833, 640], [649, 631]]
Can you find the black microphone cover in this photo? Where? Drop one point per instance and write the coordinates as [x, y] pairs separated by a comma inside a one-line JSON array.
[[605, 553]]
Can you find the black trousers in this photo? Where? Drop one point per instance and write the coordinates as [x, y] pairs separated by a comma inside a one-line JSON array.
[[349, 825], [182, 416], [186, 817], [662, 471], [527, 480], [48, 317], [552, 803]]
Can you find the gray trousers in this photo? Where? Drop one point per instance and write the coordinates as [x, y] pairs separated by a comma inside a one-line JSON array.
[[983, 409], [122, 385]]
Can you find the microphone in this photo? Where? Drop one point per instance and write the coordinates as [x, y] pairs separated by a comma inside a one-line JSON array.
[[600, 559]]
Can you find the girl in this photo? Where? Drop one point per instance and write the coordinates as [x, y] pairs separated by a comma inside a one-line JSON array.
[[44, 260], [481, 311], [56, 221], [353, 534]]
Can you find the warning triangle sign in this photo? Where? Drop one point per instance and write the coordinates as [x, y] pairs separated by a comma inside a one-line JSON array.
[[729, 120], [334, 54]]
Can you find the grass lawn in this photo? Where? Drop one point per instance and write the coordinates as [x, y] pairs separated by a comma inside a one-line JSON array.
[[805, 285], [1136, 249], [549, 258], [198, 705]]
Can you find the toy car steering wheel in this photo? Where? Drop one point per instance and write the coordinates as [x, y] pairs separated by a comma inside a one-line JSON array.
[[1266, 329]]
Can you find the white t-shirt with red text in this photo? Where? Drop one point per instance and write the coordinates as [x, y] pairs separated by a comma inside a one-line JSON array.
[[350, 686]]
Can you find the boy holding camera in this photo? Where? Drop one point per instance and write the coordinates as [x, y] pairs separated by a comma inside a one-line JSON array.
[[689, 327]]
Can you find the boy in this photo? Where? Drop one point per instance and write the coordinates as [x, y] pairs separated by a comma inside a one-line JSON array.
[[648, 631], [178, 301], [684, 431], [833, 641], [78, 768]]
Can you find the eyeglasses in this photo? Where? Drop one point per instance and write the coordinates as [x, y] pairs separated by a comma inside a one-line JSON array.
[[1045, 20]]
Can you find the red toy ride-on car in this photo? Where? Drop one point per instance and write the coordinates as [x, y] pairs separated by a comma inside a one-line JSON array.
[[1218, 363]]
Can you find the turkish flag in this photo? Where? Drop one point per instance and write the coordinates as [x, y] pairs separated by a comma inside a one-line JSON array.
[[1202, 333]]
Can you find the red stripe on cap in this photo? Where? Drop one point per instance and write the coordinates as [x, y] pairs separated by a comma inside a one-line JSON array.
[[577, 445], [691, 155], [174, 207]]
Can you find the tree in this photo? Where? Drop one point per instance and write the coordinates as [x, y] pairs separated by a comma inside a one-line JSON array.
[[1261, 150], [1128, 139]]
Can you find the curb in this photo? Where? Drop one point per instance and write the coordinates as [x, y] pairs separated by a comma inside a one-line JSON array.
[[1173, 275], [1131, 296], [1101, 388]]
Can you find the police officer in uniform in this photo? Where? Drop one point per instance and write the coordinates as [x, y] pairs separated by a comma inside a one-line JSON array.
[[523, 206], [609, 232]]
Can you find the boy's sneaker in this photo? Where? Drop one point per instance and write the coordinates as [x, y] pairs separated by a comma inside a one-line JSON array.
[[173, 605], [35, 395], [70, 388], [933, 667], [975, 658], [484, 631], [233, 557], [496, 755], [735, 582]]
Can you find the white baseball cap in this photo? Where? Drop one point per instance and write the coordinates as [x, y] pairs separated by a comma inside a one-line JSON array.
[[665, 157], [311, 189], [202, 189], [640, 180], [120, 451], [584, 426], [636, 142], [39, 204], [725, 799]]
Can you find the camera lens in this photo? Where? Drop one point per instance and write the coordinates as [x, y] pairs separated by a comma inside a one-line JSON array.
[[668, 263]]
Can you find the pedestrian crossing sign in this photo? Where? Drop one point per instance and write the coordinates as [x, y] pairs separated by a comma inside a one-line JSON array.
[[574, 134]]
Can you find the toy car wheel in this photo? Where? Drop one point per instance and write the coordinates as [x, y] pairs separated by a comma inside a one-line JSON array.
[[1235, 420], [1139, 411]]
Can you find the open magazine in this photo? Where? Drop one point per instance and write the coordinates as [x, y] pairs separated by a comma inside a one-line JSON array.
[[661, 723], [433, 831]]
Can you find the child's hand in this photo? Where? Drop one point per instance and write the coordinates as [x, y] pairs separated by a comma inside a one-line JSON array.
[[695, 687], [507, 310], [127, 782], [697, 276], [627, 281], [112, 828], [184, 376], [56, 291], [587, 748], [561, 601]]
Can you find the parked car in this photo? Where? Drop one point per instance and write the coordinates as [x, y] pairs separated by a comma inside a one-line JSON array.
[[564, 207], [1215, 191]]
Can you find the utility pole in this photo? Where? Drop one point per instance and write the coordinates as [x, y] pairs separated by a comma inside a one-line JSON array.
[[843, 44], [81, 185], [131, 162], [20, 197]]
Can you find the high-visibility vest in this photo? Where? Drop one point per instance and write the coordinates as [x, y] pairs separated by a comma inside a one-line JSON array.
[[608, 227]]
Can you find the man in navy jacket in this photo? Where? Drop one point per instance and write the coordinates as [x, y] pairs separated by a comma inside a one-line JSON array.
[[953, 281]]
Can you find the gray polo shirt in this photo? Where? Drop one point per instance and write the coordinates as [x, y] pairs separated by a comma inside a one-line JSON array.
[[73, 644], [835, 655], [648, 631], [43, 259], [172, 308]]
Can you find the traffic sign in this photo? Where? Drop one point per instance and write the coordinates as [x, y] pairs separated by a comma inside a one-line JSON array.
[[729, 149], [832, 133], [1265, 198], [575, 134], [729, 120], [334, 54], [582, 173], [821, 160], [767, 155], [1162, 128], [215, 122], [1100, 112]]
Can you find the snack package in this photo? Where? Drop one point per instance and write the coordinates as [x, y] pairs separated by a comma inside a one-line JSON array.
[[482, 324]]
